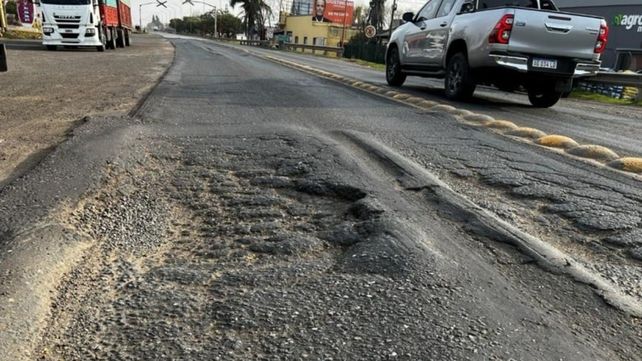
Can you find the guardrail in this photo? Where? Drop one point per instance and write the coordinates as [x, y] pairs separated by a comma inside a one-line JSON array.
[[260, 43], [634, 80], [315, 48], [295, 47]]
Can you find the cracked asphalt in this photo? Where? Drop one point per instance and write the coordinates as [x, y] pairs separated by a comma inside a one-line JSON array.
[[233, 219]]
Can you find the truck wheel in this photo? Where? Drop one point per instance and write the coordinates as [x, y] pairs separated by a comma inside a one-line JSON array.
[[111, 41], [52, 47], [102, 37], [394, 75], [127, 38], [543, 97], [459, 82], [120, 38]]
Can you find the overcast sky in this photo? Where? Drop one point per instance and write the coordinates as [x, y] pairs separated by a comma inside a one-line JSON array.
[[176, 9]]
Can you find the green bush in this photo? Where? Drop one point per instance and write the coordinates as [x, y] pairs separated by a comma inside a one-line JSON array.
[[359, 47], [12, 8]]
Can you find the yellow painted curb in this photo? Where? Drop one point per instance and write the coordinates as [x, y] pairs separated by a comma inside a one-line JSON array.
[[381, 90], [501, 124], [557, 141], [401, 96], [357, 83], [443, 108], [630, 164], [596, 152], [479, 118], [524, 132], [414, 100], [428, 103], [462, 112], [391, 93]]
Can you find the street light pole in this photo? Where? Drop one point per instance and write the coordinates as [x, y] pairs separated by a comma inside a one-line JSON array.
[[140, 13]]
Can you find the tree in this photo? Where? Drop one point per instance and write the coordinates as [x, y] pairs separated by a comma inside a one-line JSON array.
[[359, 17], [255, 12], [377, 14], [229, 25]]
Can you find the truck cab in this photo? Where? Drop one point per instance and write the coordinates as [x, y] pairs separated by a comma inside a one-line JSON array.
[[85, 23]]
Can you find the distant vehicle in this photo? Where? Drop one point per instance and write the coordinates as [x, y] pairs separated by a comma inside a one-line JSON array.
[[505, 43], [86, 23]]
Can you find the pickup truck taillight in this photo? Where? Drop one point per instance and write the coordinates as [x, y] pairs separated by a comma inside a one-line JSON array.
[[602, 38], [501, 32]]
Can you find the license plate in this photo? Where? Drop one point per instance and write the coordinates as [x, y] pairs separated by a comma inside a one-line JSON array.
[[68, 31], [545, 63]]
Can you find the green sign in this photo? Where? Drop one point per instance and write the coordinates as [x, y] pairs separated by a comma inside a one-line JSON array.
[[628, 21]]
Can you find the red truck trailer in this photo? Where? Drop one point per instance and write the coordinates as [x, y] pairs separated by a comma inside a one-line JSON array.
[[91, 23], [116, 17]]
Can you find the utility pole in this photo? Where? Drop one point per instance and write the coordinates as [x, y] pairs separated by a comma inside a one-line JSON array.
[[3, 18], [392, 15], [345, 15]]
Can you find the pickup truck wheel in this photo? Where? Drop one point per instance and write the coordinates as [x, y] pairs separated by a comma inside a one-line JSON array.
[[543, 97], [459, 82], [394, 75]]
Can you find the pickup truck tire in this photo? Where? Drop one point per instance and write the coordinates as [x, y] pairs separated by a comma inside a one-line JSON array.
[[459, 82], [394, 75], [543, 97]]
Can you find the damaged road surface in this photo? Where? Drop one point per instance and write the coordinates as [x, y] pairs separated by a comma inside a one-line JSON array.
[[253, 212]]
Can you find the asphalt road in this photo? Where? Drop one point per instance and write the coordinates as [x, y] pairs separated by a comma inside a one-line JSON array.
[[616, 127], [251, 211]]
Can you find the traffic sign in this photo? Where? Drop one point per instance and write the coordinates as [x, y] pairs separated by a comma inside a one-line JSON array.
[[370, 31]]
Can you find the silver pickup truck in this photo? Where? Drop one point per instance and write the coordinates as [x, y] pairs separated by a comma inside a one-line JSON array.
[[505, 43]]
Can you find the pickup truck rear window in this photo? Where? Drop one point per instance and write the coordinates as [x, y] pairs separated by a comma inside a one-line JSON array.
[[489, 4]]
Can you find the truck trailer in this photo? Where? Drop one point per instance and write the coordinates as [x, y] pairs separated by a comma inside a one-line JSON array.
[[102, 24]]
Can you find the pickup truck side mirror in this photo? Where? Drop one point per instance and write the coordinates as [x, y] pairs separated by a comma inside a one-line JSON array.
[[407, 17], [467, 7]]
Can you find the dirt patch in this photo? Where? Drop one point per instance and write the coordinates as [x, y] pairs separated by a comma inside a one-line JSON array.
[[46, 93]]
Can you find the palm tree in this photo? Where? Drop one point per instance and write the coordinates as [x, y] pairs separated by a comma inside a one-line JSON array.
[[254, 14]]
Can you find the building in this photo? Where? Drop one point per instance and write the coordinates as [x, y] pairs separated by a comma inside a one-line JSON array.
[[301, 29], [307, 25], [624, 17]]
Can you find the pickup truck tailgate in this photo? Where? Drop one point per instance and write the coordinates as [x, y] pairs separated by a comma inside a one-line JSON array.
[[554, 34]]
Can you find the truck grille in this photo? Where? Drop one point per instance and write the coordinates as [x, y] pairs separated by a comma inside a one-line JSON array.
[[69, 36], [67, 19], [68, 26]]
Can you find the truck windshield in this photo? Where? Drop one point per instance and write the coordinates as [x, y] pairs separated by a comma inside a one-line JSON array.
[[488, 4], [66, 2]]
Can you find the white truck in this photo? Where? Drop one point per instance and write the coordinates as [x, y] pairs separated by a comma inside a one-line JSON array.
[[85, 23], [505, 43]]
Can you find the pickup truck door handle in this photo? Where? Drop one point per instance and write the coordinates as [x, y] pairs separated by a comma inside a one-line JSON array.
[[423, 27], [559, 27], [444, 24]]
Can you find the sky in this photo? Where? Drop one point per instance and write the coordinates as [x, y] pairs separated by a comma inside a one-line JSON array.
[[175, 9]]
